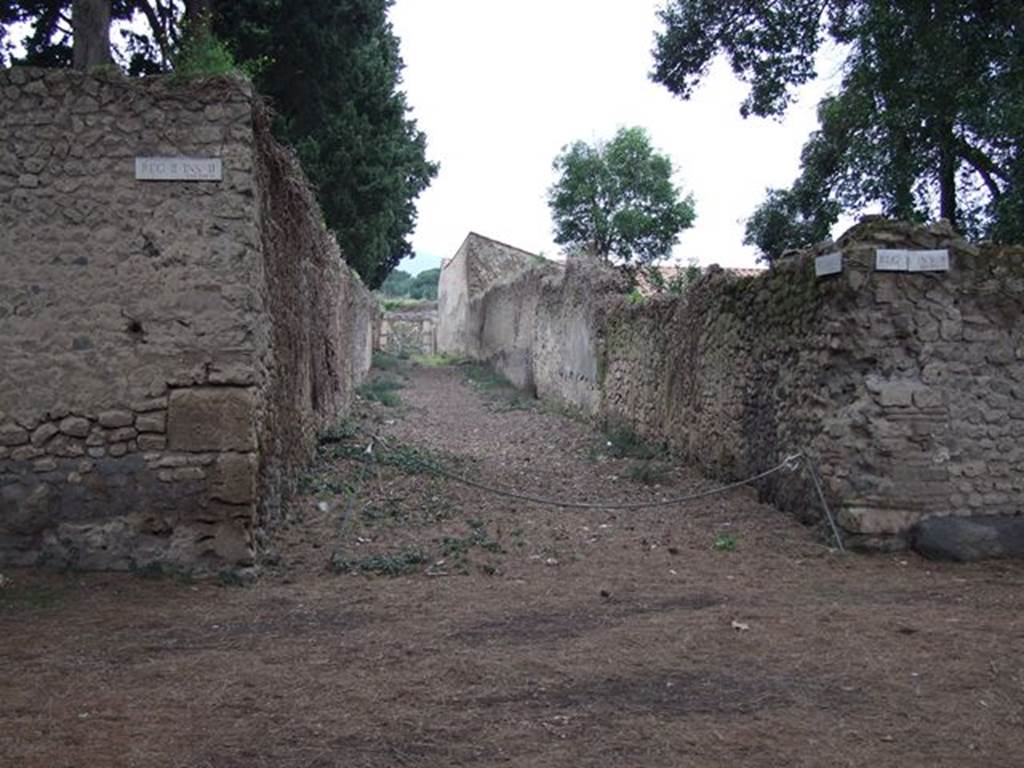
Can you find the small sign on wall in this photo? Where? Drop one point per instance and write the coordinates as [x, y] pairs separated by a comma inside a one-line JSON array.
[[828, 264], [911, 261], [178, 169]]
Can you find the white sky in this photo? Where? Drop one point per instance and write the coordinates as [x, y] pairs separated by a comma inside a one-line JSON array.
[[500, 87]]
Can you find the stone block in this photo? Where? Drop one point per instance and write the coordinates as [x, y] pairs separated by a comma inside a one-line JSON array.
[[43, 433], [65, 447], [152, 422], [114, 419], [149, 442], [877, 520], [232, 543], [234, 478], [927, 399], [122, 435], [967, 539], [12, 435], [27, 511], [211, 419], [153, 404], [896, 394], [75, 426], [188, 474], [26, 453]]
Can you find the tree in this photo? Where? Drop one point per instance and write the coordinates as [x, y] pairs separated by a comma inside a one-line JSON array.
[[779, 224], [617, 199], [424, 285], [90, 24], [149, 35], [333, 72], [929, 118], [396, 284]]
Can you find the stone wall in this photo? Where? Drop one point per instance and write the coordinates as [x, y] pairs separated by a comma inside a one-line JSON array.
[[169, 348], [906, 389], [409, 329], [479, 264]]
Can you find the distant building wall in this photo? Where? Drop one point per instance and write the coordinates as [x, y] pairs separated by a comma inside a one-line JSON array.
[[169, 348], [409, 330], [479, 264]]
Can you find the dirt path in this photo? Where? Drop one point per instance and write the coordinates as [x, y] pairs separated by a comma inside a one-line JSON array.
[[513, 634]]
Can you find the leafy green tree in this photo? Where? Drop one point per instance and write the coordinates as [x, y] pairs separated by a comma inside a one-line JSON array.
[[396, 284], [779, 224], [616, 199], [333, 72], [424, 285], [929, 118]]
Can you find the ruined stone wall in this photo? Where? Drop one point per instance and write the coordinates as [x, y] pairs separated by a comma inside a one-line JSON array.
[[167, 355], [409, 330], [508, 313], [906, 389]]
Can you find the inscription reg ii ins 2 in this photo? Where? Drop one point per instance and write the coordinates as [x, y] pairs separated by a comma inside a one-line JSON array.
[[178, 169]]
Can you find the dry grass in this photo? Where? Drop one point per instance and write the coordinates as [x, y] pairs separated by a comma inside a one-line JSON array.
[[544, 638]]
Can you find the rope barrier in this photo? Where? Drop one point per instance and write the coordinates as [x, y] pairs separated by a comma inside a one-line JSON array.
[[790, 464]]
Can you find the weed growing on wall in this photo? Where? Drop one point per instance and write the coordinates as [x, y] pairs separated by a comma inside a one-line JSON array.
[[203, 55]]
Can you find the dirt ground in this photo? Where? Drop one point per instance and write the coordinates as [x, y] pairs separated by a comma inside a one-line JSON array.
[[408, 620]]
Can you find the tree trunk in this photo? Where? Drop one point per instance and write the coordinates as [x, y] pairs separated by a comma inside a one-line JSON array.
[[90, 25], [947, 178]]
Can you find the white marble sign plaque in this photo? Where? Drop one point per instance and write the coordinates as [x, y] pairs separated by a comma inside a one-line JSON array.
[[911, 261], [928, 261], [828, 264], [891, 261], [178, 169]]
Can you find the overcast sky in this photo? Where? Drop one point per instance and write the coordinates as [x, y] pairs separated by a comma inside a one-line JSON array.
[[499, 88]]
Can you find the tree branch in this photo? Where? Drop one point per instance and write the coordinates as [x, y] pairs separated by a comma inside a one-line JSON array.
[[158, 30], [983, 164]]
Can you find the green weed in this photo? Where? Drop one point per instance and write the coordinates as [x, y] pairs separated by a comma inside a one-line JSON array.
[[648, 472], [394, 564], [621, 442], [202, 55], [384, 361], [381, 389], [437, 361], [15, 597], [320, 483], [724, 542], [336, 433], [484, 376], [503, 394], [387, 512]]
